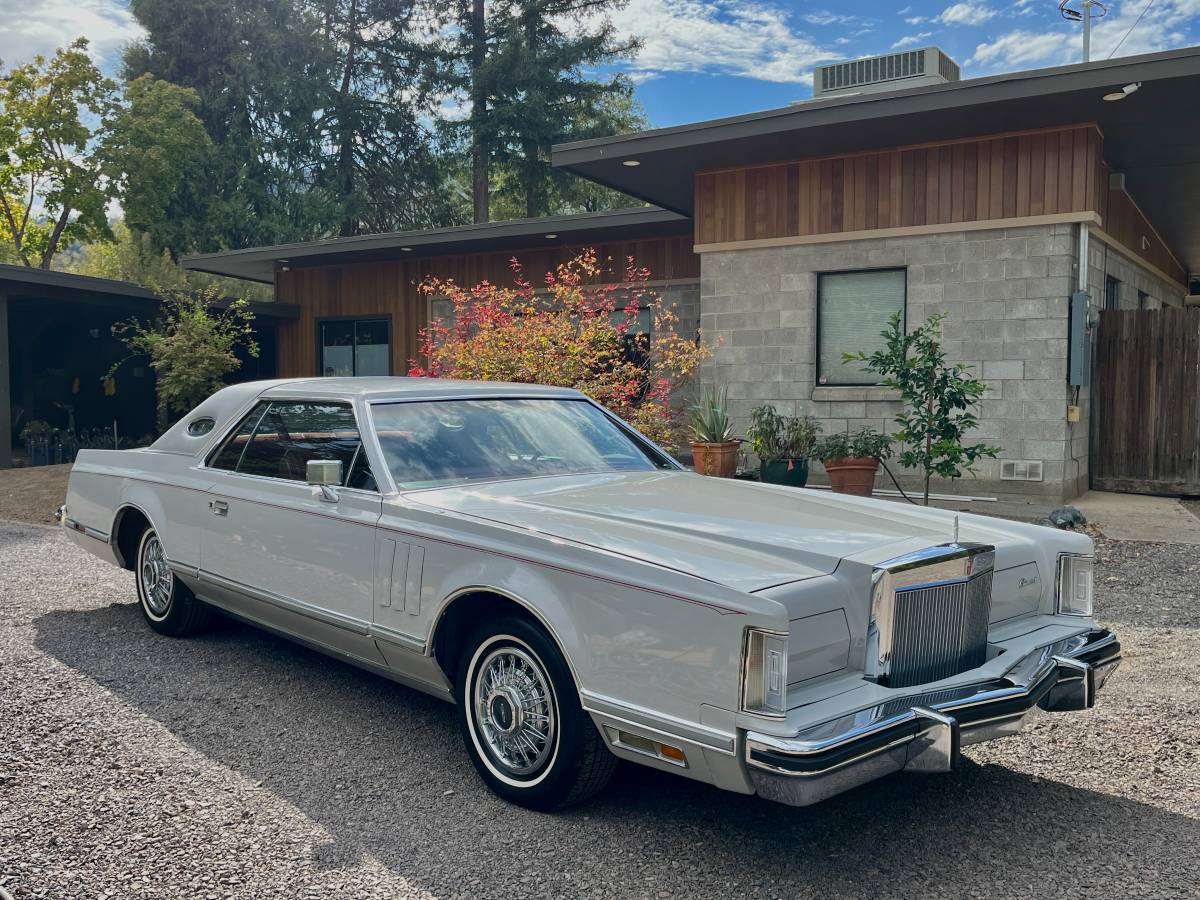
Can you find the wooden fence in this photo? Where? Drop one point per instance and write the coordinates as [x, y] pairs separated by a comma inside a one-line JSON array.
[[1146, 402]]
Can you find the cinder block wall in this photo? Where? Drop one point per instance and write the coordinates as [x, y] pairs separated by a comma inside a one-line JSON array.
[[1005, 294]]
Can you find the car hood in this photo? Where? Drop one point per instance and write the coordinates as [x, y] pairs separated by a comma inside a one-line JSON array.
[[745, 535]]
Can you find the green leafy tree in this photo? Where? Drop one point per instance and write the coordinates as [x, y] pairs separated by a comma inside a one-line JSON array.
[[939, 400], [192, 346], [258, 70], [53, 184], [153, 144]]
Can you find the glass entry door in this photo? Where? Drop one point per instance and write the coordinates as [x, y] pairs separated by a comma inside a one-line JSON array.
[[355, 347]]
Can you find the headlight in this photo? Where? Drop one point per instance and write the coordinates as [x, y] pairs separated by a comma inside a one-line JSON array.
[[1075, 585], [764, 673]]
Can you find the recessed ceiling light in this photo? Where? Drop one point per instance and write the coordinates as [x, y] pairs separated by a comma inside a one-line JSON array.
[[632, 163], [1122, 93], [406, 249], [552, 235]]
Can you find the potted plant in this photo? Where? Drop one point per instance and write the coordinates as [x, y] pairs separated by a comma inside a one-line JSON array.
[[782, 444], [714, 448], [852, 459]]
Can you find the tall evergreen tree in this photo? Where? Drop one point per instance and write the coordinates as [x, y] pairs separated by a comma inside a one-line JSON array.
[[379, 166], [547, 88]]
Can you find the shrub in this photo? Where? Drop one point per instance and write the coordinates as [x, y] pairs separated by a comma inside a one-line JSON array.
[[773, 436], [191, 346], [572, 332], [866, 443]]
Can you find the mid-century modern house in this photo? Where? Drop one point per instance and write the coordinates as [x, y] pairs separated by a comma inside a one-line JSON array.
[[792, 235]]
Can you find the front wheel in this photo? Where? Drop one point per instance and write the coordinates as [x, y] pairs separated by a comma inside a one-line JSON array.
[[519, 712], [169, 607]]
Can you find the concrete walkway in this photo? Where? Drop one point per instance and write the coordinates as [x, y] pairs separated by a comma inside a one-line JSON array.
[[1135, 517]]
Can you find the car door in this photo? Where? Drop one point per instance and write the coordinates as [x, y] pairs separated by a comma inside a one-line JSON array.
[[286, 553]]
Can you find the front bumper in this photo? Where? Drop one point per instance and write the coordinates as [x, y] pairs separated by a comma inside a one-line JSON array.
[[923, 732]]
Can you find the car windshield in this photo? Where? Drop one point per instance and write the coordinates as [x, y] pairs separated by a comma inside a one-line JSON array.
[[441, 442]]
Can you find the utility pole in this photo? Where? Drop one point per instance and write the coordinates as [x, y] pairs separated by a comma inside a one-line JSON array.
[[1086, 16]]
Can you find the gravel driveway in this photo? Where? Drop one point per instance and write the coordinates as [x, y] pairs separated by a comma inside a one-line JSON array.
[[239, 765]]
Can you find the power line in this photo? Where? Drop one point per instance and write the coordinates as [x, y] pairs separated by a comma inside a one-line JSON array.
[[1145, 10]]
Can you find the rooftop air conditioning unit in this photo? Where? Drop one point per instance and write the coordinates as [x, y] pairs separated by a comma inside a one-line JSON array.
[[875, 74]]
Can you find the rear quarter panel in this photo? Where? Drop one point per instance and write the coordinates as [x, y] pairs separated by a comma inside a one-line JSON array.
[[166, 488]]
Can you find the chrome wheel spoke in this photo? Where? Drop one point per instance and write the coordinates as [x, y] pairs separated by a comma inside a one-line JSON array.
[[156, 578], [512, 708]]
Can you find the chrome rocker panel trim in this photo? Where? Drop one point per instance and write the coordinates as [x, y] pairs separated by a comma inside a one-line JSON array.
[[923, 732]]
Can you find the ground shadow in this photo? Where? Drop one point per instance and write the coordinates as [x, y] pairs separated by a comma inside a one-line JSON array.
[[372, 763]]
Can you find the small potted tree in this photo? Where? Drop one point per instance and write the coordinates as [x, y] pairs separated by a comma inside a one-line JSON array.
[[782, 444], [852, 459], [714, 448]]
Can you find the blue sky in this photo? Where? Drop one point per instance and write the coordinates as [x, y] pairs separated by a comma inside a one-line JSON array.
[[706, 58]]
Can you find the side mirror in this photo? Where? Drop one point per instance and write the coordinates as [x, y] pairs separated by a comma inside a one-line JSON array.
[[323, 472]]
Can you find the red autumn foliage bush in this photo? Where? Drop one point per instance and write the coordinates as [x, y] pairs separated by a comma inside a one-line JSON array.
[[572, 332]]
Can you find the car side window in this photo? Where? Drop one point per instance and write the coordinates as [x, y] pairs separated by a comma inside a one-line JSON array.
[[229, 455], [291, 434]]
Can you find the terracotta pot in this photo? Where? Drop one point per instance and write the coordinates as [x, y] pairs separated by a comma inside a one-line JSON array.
[[853, 475], [719, 460], [790, 472]]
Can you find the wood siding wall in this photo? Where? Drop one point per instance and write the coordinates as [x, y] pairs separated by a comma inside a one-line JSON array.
[[1032, 174], [390, 288], [1125, 223]]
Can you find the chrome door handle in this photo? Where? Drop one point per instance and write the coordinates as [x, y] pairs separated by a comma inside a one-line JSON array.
[[219, 507]]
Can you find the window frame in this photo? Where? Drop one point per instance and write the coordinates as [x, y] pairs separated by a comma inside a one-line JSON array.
[[270, 401], [1112, 290], [817, 383], [321, 322]]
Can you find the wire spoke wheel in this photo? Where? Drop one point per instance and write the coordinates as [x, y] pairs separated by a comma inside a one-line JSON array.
[[515, 711], [158, 583]]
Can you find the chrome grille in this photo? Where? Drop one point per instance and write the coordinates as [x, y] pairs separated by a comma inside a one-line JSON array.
[[940, 630]]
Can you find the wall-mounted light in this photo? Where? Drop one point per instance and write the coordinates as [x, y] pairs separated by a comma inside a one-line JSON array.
[[1124, 92], [551, 236], [632, 163], [406, 249]]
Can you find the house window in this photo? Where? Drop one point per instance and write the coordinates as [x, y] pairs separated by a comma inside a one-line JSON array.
[[1143, 300], [355, 347], [1112, 292], [853, 309]]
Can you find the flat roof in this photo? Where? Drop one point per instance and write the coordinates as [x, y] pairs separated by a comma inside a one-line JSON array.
[[24, 283], [1153, 135], [258, 263]]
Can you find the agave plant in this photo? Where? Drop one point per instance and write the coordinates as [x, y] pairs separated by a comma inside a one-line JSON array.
[[710, 416]]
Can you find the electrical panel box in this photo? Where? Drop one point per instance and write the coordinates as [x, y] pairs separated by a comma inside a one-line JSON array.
[[1079, 341]]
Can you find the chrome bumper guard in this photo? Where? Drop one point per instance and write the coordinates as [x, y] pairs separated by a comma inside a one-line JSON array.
[[923, 732]]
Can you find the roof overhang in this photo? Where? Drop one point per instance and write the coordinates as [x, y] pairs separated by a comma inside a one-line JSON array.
[[41, 285], [1152, 136], [259, 263]]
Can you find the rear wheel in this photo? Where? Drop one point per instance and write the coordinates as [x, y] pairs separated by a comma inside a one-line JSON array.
[[169, 607], [519, 712]]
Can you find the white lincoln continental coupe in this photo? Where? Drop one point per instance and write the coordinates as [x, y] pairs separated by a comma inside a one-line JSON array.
[[519, 551]]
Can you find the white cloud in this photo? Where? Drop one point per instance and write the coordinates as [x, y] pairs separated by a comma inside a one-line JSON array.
[[916, 20], [42, 27], [1167, 24], [910, 40], [965, 14], [750, 39], [825, 17], [901, 12]]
